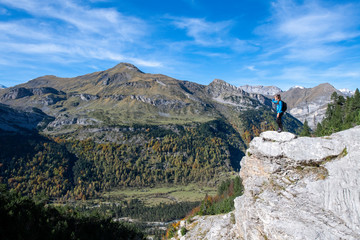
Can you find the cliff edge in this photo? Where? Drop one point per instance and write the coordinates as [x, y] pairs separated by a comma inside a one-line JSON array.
[[295, 188], [301, 188]]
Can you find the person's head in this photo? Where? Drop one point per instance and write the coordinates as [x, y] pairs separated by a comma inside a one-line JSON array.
[[277, 97]]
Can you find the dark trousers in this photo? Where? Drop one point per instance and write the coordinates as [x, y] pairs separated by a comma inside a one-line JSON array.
[[278, 120]]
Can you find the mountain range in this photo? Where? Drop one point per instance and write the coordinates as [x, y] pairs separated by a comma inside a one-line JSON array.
[[124, 95], [308, 104]]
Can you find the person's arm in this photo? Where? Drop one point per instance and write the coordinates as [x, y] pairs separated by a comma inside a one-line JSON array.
[[280, 107], [274, 101]]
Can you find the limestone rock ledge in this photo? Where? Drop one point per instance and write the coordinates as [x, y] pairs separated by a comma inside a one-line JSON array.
[[210, 227], [297, 188], [301, 188]]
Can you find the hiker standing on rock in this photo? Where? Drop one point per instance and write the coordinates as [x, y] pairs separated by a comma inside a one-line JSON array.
[[280, 109]]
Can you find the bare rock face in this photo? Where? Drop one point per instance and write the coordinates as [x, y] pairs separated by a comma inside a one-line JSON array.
[[18, 93], [295, 188], [210, 227], [300, 188], [23, 120]]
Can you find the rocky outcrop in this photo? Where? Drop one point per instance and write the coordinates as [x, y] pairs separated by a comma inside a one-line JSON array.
[[21, 92], [17, 93], [297, 188], [210, 227], [301, 188], [22, 120]]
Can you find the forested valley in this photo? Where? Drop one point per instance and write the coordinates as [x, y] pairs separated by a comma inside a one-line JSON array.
[[65, 169], [74, 173]]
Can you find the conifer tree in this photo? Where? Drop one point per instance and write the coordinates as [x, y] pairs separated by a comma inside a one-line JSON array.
[[306, 131]]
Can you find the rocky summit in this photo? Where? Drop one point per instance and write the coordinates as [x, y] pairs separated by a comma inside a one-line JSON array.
[[295, 188]]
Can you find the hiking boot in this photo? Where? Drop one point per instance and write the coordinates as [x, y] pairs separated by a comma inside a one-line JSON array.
[[279, 130]]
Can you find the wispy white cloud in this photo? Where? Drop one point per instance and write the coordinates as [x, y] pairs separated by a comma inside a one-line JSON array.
[[251, 68], [84, 18], [204, 32], [212, 54], [48, 48], [104, 54], [24, 30], [207, 34], [314, 23], [67, 28], [307, 43], [310, 31]]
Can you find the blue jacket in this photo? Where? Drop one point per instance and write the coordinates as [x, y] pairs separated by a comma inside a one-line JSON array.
[[278, 105]]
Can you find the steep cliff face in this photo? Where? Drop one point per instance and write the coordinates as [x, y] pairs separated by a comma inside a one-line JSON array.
[[295, 188], [301, 188]]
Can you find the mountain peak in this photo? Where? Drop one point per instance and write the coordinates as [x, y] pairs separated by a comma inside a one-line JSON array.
[[218, 81], [325, 85], [219, 86], [125, 67]]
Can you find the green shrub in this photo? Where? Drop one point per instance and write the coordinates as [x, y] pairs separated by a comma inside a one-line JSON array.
[[183, 231]]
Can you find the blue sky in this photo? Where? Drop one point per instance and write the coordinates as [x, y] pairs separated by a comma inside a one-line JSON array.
[[256, 42]]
